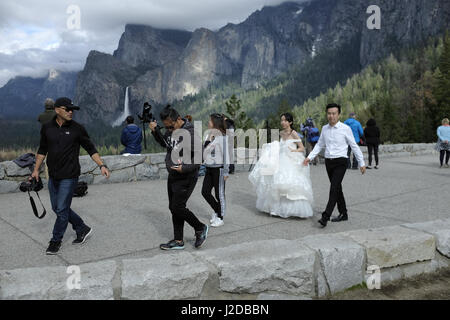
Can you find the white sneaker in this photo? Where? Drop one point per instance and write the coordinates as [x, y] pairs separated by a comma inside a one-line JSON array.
[[217, 223], [213, 217]]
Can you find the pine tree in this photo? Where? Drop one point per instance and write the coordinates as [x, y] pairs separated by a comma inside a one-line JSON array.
[[274, 118], [233, 106], [241, 121], [442, 89]]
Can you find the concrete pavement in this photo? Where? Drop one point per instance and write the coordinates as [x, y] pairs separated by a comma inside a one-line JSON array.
[[130, 220]]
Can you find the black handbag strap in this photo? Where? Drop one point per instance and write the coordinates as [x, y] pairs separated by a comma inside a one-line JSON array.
[[33, 206]]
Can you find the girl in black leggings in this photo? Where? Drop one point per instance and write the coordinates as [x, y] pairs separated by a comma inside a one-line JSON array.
[[216, 160]]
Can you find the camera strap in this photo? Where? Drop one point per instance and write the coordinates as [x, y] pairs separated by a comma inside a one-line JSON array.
[[33, 206]]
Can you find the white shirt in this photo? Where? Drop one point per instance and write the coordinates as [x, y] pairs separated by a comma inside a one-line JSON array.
[[336, 139]]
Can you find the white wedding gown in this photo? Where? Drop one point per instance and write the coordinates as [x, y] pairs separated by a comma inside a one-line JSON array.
[[282, 182]]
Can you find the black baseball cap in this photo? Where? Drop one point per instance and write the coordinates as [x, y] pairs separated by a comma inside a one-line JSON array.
[[65, 102]]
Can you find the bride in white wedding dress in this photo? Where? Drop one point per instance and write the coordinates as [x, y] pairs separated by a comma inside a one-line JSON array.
[[282, 183]]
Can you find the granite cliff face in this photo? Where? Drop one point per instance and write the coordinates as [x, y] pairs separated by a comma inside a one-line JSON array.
[[166, 65], [403, 23], [147, 48], [201, 63], [101, 87]]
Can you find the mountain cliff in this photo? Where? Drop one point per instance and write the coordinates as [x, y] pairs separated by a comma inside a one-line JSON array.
[[169, 65], [23, 97], [163, 66]]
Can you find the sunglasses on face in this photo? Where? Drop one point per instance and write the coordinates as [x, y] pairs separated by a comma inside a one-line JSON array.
[[169, 127], [66, 109]]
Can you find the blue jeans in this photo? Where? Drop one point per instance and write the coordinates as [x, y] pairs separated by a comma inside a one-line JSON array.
[[61, 193]]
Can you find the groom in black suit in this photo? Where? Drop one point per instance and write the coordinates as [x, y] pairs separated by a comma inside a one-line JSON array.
[[335, 138]]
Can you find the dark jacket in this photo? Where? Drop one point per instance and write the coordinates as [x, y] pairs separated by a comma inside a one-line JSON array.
[[61, 145], [131, 138], [372, 133], [189, 170], [26, 160], [46, 116]]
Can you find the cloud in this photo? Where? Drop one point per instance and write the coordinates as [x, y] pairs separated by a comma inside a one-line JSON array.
[[34, 35]]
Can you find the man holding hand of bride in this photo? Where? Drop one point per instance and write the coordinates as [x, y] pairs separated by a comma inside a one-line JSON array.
[[335, 138]]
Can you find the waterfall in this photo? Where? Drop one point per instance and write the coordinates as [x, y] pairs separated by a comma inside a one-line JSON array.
[[125, 113]]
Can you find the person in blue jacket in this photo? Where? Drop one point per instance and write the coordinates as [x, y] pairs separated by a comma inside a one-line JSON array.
[[358, 133], [131, 137]]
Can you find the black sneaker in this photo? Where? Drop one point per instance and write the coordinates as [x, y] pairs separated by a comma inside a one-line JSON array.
[[53, 247], [200, 236], [172, 245], [81, 238]]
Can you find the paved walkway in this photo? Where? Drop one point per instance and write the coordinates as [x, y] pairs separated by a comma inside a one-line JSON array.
[[131, 219]]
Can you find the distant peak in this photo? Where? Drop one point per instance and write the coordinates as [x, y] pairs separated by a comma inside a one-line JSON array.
[[53, 74]]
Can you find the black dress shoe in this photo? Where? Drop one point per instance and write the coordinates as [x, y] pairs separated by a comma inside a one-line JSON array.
[[341, 217], [323, 222]]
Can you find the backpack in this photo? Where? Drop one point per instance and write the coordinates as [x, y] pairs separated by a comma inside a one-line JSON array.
[[313, 134], [80, 189]]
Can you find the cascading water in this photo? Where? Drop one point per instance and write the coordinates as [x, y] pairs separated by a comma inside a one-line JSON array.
[[125, 113]]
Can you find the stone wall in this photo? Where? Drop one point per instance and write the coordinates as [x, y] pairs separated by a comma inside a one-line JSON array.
[[151, 166], [310, 267]]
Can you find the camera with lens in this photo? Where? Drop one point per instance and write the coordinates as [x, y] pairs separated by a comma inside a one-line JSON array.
[[146, 116], [31, 185], [34, 185]]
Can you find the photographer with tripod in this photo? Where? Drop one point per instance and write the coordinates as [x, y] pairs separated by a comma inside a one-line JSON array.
[[61, 139], [183, 174]]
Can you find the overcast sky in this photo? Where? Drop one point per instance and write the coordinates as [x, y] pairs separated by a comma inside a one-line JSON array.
[[36, 35]]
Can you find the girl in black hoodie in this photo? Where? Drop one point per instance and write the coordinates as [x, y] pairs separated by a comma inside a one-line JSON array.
[[372, 135]]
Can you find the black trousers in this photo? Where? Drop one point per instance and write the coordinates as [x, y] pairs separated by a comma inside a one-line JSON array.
[[441, 156], [179, 192], [336, 170], [372, 148], [355, 162], [214, 179]]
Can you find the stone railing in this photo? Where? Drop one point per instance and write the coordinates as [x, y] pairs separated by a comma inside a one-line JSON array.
[[152, 166], [310, 267]]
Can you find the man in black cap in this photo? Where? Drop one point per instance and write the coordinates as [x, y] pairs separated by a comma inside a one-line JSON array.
[[61, 139]]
